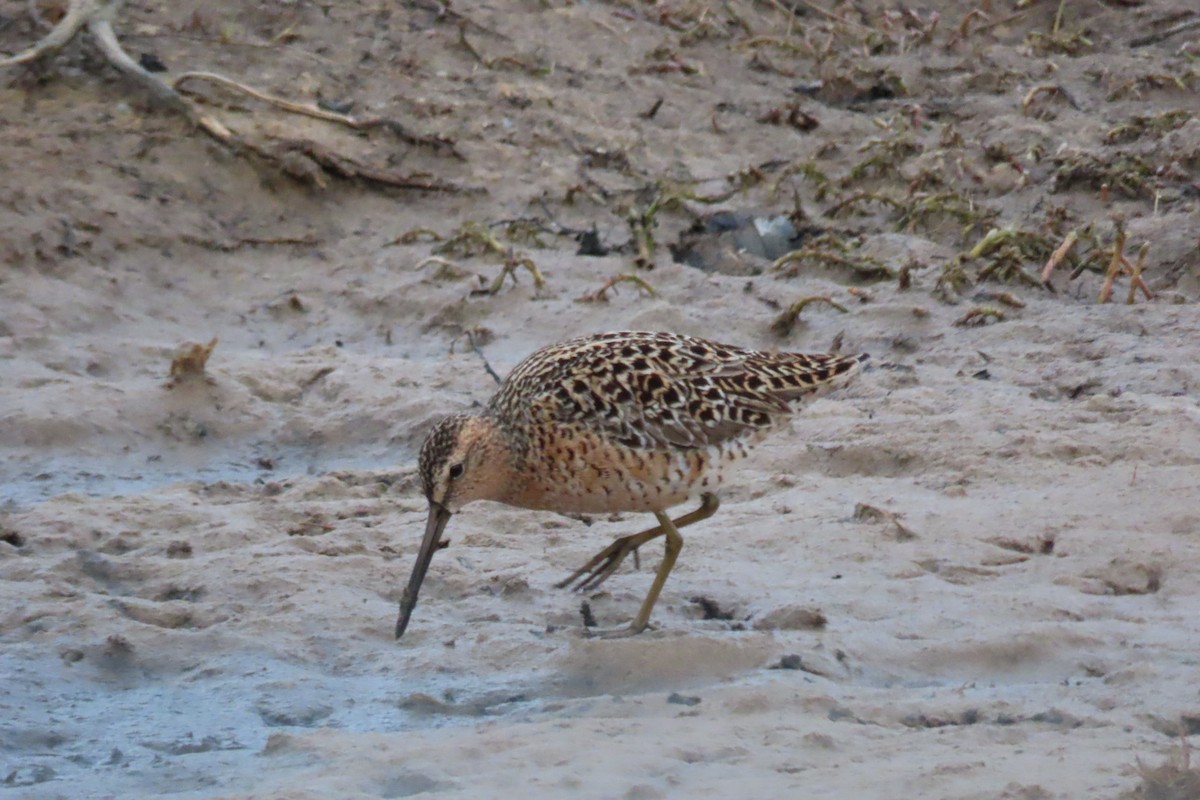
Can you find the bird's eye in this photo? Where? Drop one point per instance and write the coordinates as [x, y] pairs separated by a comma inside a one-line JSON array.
[[456, 471]]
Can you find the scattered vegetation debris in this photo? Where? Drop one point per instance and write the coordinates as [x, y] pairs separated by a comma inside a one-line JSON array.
[[1059, 39], [1119, 263], [1140, 84], [511, 263], [151, 63], [675, 698], [447, 270], [1175, 778], [1058, 255], [189, 363], [590, 244], [970, 716], [472, 239], [1123, 172], [831, 250], [1042, 545], [585, 611], [884, 156], [711, 609], [652, 111], [415, 235], [979, 315], [1046, 93], [664, 59], [642, 221], [810, 171], [601, 295], [1183, 725], [790, 114], [1004, 298], [1153, 125], [477, 338], [868, 513], [288, 301], [1005, 252], [783, 324], [1167, 33]]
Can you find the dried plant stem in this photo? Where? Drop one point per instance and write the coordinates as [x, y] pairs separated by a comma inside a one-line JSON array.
[[1059, 254], [1114, 266], [601, 294], [783, 324], [1136, 272]]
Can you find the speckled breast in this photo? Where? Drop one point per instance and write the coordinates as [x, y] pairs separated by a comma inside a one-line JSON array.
[[585, 473]]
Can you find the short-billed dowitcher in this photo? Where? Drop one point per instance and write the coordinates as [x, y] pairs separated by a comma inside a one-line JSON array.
[[625, 421]]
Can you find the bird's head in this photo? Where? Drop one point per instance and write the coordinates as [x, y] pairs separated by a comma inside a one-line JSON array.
[[460, 462]]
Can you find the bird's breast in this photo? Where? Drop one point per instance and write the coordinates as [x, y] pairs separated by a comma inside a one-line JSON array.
[[589, 474]]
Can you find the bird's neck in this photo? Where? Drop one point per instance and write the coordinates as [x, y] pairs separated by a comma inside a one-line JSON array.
[[499, 474]]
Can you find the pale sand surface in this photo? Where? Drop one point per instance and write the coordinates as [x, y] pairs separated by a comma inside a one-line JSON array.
[[198, 584]]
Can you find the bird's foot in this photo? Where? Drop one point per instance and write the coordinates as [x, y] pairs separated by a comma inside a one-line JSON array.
[[616, 633]]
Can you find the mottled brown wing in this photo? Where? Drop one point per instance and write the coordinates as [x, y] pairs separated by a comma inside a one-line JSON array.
[[655, 389]]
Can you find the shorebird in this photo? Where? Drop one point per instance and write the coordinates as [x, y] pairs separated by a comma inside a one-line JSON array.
[[614, 422]]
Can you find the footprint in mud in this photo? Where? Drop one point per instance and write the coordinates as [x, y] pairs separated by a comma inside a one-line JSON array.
[[407, 784], [657, 661], [958, 574], [865, 459], [167, 614], [279, 712]]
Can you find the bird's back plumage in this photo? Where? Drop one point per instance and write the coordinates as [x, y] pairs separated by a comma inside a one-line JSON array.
[[647, 390]]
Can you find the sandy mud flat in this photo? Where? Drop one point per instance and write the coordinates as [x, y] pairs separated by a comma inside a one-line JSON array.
[[974, 573]]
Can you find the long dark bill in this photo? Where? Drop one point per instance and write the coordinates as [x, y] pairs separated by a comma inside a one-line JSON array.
[[438, 517]]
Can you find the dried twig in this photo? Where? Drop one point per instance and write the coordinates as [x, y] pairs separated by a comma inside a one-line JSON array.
[[641, 225], [1006, 298], [1136, 275], [510, 271], [782, 325], [1059, 254], [1154, 38], [1114, 265], [601, 294], [301, 159], [309, 110], [481, 333], [1051, 90], [979, 315]]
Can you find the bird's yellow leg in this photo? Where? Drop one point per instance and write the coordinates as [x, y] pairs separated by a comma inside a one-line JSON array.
[[674, 545], [597, 570]]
